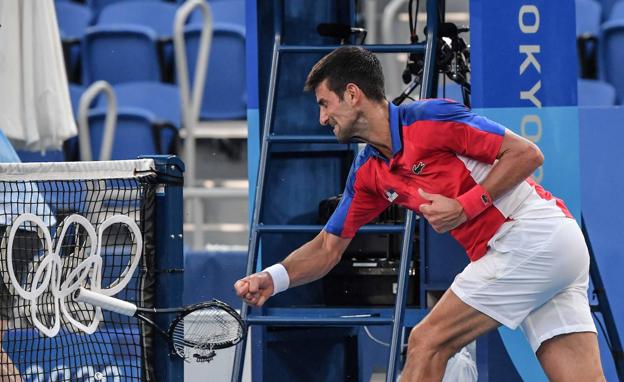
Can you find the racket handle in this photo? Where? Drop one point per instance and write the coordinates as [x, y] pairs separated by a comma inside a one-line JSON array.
[[105, 302]]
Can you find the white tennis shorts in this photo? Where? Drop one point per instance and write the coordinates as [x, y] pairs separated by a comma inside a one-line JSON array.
[[534, 275]]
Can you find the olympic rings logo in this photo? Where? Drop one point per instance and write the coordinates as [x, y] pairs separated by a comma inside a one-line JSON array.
[[48, 277]]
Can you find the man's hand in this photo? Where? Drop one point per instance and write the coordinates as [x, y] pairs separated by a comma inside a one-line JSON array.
[[442, 213], [255, 289]]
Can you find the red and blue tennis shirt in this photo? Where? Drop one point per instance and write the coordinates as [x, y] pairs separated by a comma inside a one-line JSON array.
[[444, 148]]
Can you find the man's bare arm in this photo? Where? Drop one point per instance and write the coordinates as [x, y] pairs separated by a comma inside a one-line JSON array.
[[518, 158], [309, 262], [315, 259]]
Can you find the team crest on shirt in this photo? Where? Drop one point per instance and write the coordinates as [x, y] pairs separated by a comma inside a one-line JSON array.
[[485, 199], [391, 195], [417, 168]]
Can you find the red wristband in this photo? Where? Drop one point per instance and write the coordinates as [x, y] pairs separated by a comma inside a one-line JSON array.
[[475, 201]]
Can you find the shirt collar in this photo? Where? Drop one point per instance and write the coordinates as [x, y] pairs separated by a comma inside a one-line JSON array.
[[395, 132]]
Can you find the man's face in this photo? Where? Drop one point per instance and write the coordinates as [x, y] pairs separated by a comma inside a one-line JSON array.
[[336, 112]]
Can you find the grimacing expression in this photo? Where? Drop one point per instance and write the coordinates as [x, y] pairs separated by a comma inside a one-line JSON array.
[[336, 112]]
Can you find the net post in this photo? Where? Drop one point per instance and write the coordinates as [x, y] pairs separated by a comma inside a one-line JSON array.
[[169, 282]]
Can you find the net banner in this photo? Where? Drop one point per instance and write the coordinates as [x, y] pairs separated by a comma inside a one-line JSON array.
[[63, 226]]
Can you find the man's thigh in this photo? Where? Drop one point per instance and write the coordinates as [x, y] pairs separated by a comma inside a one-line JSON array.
[[453, 323], [571, 357]]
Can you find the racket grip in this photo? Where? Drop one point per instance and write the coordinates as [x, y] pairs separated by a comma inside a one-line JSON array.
[[105, 302]]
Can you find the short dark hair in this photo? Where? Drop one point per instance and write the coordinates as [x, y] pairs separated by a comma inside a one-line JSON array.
[[348, 64]]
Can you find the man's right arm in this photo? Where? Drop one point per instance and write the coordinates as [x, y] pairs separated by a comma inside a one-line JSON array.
[[308, 263]]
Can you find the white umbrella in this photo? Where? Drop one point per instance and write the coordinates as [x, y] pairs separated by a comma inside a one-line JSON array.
[[35, 109]]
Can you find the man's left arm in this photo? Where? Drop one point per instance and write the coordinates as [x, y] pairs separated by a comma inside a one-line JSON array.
[[517, 158]]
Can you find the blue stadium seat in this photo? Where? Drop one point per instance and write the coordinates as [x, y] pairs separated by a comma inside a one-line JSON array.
[[225, 95], [588, 16], [612, 56], [138, 132], [38, 156], [156, 15], [595, 93], [607, 5], [120, 53], [617, 12], [75, 92], [98, 5], [224, 11], [161, 100], [73, 19], [159, 16]]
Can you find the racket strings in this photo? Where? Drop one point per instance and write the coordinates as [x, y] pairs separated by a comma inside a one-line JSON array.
[[204, 330]]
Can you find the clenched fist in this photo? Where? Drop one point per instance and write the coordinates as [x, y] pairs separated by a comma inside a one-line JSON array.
[[441, 212], [255, 289]]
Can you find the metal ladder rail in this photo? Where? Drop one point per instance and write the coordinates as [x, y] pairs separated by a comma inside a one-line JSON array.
[[408, 229], [604, 308]]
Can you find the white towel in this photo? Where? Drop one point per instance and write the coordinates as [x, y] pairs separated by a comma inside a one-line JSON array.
[[35, 109]]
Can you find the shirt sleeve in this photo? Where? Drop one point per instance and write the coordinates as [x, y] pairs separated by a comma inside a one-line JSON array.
[[458, 129], [359, 204]]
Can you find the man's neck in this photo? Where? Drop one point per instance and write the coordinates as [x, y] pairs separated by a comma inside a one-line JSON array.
[[377, 129]]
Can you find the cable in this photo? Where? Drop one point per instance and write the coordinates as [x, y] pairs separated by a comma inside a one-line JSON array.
[[370, 335], [413, 20]]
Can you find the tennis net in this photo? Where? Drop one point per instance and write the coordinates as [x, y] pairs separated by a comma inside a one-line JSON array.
[[66, 225]]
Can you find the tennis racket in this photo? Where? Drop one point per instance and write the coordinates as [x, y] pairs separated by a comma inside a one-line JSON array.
[[193, 334]]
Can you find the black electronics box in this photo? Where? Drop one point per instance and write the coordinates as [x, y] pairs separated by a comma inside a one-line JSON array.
[[361, 282], [368, 272]]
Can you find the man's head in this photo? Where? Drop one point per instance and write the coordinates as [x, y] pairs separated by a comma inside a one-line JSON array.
[[348, 64], [343, 81]]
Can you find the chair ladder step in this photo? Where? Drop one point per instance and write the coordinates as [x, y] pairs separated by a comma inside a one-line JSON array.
[[367, 229], [354, 320]]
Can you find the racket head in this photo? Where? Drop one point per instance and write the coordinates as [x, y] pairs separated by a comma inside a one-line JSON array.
[[202, 328]]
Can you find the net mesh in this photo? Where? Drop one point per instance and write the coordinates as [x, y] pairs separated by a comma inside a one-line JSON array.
[[55, 236]]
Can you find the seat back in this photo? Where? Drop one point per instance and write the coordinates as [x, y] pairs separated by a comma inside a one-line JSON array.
[[120, 53], [617, 12], [225, 95], [134, 134], [162, 100], [225, 11], [612, 56], [595, 93], [75, 92], [588, 17], [607, 5], [98, 5], [73, 19], [156, 15]]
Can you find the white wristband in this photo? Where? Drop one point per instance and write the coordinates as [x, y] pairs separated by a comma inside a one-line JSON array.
[[279, 274]]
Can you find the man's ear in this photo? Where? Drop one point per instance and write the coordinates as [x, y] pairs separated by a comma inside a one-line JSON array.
[[353, 93]]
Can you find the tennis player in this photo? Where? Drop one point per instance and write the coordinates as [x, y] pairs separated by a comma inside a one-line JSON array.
[[468, 176]]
